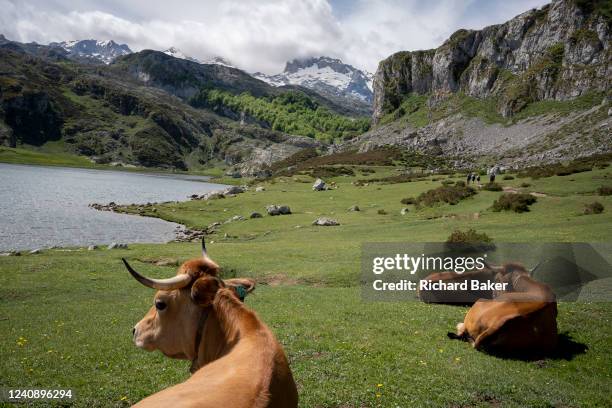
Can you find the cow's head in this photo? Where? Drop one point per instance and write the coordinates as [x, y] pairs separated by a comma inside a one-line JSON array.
[[181, 306], [509, 272]]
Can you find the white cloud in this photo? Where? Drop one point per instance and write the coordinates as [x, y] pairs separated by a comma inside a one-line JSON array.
[[257, 35]]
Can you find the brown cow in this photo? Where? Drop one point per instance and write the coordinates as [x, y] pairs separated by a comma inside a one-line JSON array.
[[521, 319], [236, 360], [467, 297]]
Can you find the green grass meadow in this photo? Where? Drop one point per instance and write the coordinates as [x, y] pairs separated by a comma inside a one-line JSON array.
[[66, 314]]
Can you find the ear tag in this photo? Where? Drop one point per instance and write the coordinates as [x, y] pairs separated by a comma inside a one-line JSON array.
[[241, 292]]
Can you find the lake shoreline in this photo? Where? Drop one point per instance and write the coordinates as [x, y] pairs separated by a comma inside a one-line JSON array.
[[46, 206]]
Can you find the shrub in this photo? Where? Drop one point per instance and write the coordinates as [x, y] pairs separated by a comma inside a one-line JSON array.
[[593, 208], [382, 212], [514, 202], [604, 190], [556, 170], [469, 236], [525, 185], [408, 200], [445, 194], [492, 187], [398, 178], [460, 183], [447, 182], [508, 177], [331, 171]]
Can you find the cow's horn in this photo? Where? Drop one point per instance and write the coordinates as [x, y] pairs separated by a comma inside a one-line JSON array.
[[492, 267], [177, 282], [204, 253]]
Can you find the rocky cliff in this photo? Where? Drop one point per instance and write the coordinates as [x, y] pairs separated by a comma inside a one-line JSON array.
[[558, 52]]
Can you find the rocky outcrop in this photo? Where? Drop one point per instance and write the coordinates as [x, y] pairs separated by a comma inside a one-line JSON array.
[[558, 52], [462, 141]]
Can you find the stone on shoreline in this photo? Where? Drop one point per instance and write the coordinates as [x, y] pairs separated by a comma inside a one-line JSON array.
[[116, 245]]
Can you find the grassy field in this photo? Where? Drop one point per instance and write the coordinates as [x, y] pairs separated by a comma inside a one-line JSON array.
[[66, 316]]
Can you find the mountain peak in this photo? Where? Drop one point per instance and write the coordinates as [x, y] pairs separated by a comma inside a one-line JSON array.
[[176, 53], [215, 60], [326, 75]]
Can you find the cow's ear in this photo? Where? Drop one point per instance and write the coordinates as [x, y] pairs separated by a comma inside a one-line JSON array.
[[246, 283], [204, 289]]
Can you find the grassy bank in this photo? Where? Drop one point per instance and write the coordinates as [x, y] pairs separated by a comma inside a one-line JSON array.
[[53, 156], [76, 309]]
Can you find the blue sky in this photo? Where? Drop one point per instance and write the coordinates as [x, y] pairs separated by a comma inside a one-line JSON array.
[[259, 35]]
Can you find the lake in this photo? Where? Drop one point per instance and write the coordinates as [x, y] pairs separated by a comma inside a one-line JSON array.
[[48, 206]]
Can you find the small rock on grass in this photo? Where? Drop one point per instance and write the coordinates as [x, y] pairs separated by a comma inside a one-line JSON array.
[[92, 247], [354, 208], [325, 222], [319, 185]]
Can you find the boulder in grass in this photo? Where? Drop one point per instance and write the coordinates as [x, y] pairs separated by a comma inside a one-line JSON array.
[[255, 214], [278, 210], [325, 222], [354, 208], [92, 247], [234, 190], [259, 189], [319, 185], [404, 211]]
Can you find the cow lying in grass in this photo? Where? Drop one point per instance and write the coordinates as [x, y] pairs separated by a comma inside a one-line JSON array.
[[521, 319], [236, 360]]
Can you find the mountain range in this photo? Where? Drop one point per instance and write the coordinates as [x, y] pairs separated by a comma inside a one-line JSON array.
[[93, 50], [152, 109], [327, 76], [532, 90]]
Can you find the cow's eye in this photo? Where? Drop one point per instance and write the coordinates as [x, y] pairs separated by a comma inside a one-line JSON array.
[[160, 305]]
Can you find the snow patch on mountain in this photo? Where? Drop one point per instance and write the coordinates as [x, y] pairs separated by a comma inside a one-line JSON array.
[[326, 75], [102, 51], [216, 60], [176, 53]]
